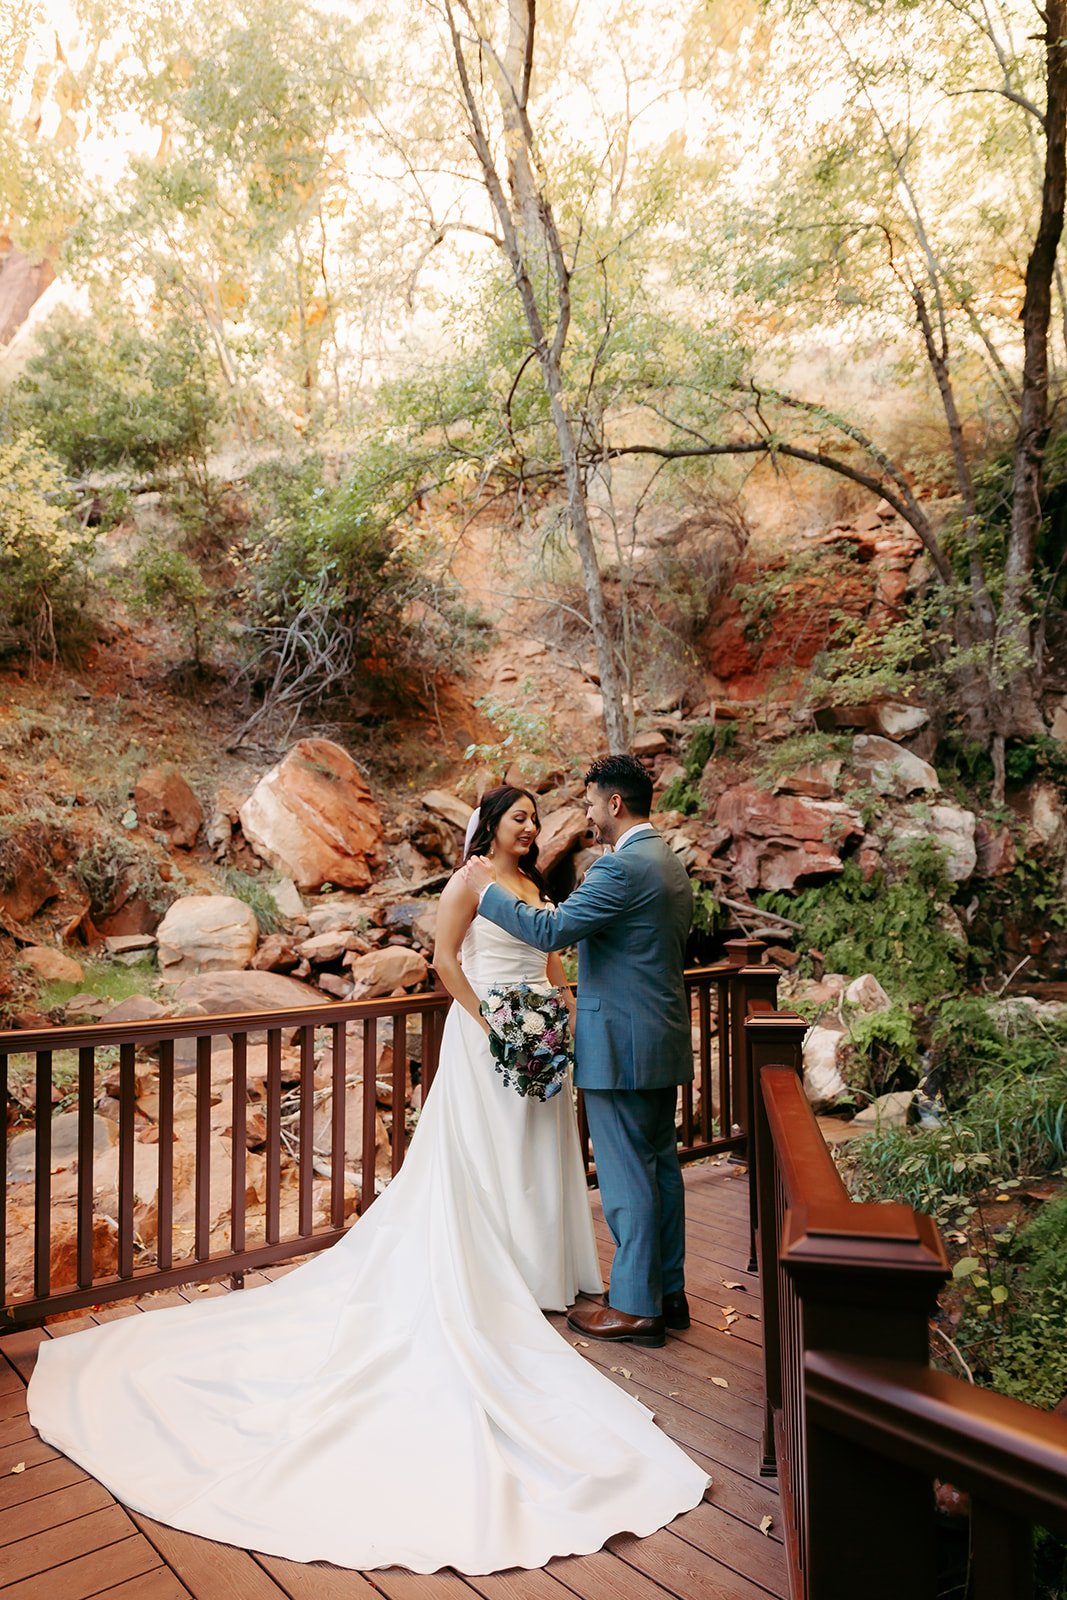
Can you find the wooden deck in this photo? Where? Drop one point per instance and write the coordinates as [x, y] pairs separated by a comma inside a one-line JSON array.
[[63, 1537]]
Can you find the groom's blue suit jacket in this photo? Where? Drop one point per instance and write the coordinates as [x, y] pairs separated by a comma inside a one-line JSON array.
[[630, 919]]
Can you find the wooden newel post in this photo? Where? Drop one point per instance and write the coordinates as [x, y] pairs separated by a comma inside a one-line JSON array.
[[774, 1038], [743, 956], [755, 990], [866, 1278]]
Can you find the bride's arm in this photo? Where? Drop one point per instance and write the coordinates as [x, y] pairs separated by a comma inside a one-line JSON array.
[[557, 976], [455, 913]]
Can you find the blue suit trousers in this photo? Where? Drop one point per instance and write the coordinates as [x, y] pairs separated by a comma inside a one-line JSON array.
[[634, 1144]]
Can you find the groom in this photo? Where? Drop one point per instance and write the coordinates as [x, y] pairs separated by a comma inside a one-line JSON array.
[[630, 919]]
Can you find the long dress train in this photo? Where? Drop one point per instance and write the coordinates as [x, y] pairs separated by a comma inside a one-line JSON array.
[[400, 1400]]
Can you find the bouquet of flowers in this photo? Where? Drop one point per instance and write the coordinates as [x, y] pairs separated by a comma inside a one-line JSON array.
[[530, 1039]]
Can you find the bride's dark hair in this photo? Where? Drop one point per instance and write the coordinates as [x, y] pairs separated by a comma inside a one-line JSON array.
[[494, 805]]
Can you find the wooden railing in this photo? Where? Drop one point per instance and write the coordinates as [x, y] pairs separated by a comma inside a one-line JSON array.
[[857, 1425], [305, 1056]]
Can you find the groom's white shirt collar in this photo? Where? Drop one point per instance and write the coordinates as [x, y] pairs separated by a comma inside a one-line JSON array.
[[638, 827]]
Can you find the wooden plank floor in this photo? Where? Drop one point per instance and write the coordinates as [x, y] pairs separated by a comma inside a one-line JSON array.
[[63, 1537]]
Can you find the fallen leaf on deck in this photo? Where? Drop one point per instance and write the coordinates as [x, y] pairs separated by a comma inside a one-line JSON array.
[[728, 1285], [625, 1371], [580, 1344], [765, 1526], [20, 1468], [726, 1310], [720, 1383], [731, 1320], [672, 1392], [202, 1288]]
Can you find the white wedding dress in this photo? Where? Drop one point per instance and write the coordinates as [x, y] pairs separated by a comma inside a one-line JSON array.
[[400, 1400]]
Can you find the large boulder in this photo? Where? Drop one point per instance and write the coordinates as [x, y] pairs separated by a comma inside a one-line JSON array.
[[206, 933], [781, 839], [384, 971], [890, 769], [456, 812], [219, 993], [52, 966], [817, 780], [314, 819], [866, 994], [898, 720], [560, 831], [951, 828], [164, 800], [823, 1048]]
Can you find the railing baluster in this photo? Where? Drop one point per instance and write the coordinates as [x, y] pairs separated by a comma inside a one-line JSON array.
[[707, 1107], [687, 1115], [400, 1084], [722, 1048], [165, 1189], [370, 1110], [202, 1180], [272, 1223], [127, 1115], [238, 1139], [306, 1162], [42, 1175], [86, 1156], [1002, 1554], [338, 1109], [3, 1188]]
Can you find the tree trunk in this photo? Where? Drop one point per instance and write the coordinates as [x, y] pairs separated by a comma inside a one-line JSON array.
[[1018, 709], [530, 235]]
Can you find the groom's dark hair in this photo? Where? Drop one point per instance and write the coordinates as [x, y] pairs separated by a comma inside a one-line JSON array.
[[626, 777]]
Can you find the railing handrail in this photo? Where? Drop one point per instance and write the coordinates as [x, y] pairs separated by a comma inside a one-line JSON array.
[[1001, 1449], [823, 1223], [64, 1036], [26, 1041]]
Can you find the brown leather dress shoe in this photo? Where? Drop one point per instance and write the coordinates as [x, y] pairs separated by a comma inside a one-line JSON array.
[[676, 1310], [604, 1322]]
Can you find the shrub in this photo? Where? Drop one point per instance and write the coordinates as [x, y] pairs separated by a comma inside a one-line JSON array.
[[342, 580], [44, 585], [1030, 1359], [163, 581], [257, 894], [885, 1051], [1015, 1124], [890, 925], [109, 395]]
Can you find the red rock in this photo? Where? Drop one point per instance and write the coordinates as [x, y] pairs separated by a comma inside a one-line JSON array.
[[448, 806], [748, 810], [314, 819], [891, 587], [135, 915], [207, 933], [385, 971], [164, 800], [784, 869], [52, 966], [995, 849], [649, 743], [277, 953], [560, 831], [32, 888], [817, 780]]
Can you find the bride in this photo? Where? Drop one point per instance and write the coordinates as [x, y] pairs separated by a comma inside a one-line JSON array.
[[399, 1400]]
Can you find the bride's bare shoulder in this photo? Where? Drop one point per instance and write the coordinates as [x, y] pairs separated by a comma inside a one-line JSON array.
[[458, 893]]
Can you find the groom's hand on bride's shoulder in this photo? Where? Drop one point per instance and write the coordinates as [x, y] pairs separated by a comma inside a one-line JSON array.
[[478, 873]]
